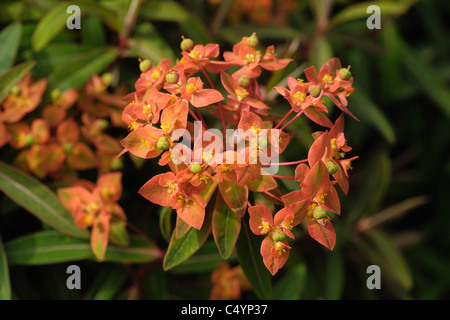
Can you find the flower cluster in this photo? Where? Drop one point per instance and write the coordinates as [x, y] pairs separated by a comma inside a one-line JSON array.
[[167, 112], [59, 136]]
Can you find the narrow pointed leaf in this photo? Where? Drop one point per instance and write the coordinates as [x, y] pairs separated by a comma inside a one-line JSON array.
[[49, 247], [5, 285], [226, 226], [184, 247], [251, 261], [49, 27], [10, 40], [38, 199], [9, 78]]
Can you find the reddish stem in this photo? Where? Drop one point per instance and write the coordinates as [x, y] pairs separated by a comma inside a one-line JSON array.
[[292, 120], [284, 118]]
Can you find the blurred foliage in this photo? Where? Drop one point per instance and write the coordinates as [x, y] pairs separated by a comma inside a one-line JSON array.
[[395, 215]]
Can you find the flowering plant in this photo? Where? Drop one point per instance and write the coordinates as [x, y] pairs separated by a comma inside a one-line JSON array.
[[230, 167]]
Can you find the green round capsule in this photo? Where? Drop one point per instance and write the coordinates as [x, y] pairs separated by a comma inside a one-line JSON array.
[[187, 44], [253, 41], [278, 235], [172, 77], [319, 213], [345, 74], [332, 167], [163, 143], [145, 65], [195, 168], [314, 90]]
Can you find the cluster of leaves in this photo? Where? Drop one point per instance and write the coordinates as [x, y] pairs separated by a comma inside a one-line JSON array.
[[401, 141]]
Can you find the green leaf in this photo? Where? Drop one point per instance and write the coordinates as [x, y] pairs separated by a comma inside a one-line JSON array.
[[78, 71], [235, 196], [107, 283], [182, 248], [380, 250], [54, 21], [369, 112], [5, 285], [149, 44], [226, 226], [334, 283], [427, 77], [292, 284], [174, 12], [12, 76], [49, 27], [49, 247], [165, 223], [10, 40], [38, 199], [250, 259], [359, 11]]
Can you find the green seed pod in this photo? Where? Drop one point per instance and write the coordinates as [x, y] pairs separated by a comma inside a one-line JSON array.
[[29, 140], [345, 74], [172, 77], [253, 41], [15, 90], [244, 81], [107, 78], [145, 65], [314, 90], [187, 44], [195, 168], [68, 147], [278, 235], [55, 94], [163, 143], [332, 167], [319, 213]]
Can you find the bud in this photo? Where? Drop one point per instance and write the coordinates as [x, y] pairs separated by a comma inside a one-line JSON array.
[[102, 124], [253, 41], [195, 168], [172, 77], [278, 235], [345, 74], [29, 140], [145, 65], [244, 81], [68, 147], [319, 213], [116, 164], [163, 143], [187, 44], [314, 90], [107, 78], [332, 167], [55, 94], [15, 90]]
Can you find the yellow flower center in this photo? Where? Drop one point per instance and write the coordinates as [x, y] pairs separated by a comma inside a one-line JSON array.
[[249, 58], [191, 88], [133, 126], [241, 93], [264, 226], [194, 54], [299, 97], [166, 126], [254, 129], [327, 79], [155, 74]]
